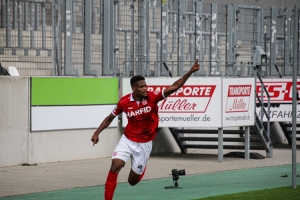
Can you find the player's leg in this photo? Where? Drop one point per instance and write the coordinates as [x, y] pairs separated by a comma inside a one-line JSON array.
[[120, 156], [135, 178], [116, 165], [139, 159], [111, 180]]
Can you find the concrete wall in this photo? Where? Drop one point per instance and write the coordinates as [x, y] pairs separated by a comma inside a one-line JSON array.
[[57, 146], [18, 145], [14, 120], [165, 142]]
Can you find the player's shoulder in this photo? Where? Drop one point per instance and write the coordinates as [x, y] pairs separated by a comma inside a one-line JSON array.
[[150, 94], [125, 99], [155, 96], [154, 93]]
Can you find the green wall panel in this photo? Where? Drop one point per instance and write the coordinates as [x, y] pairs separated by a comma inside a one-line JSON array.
[[73, 91]]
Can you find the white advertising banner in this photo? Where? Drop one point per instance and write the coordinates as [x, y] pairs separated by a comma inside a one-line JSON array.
[[196, 104], [280, 91], [45, 118], [238, 101]]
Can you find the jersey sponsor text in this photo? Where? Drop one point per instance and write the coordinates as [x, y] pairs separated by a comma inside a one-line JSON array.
[[140, 111]]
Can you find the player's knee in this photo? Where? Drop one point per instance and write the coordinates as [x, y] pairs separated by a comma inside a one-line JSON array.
[[115, 169], [133, 180], [116, 166]]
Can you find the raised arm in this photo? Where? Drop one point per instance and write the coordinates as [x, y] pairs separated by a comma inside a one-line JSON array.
[[180, 82], [105, 123]]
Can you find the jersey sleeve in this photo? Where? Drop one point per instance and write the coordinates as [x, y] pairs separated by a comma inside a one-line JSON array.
[[117, 110], [158, 96]]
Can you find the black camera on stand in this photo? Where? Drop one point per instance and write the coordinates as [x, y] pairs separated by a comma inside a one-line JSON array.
[[175, 175]]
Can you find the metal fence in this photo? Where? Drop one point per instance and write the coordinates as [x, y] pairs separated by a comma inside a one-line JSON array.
[[126, 37]]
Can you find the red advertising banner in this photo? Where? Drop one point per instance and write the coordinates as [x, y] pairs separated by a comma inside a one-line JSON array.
[[280, 91]]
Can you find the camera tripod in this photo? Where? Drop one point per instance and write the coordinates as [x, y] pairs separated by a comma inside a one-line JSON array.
[[174, 187], [175, 175]]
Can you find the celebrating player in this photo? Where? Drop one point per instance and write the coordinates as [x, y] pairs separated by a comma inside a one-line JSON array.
[[136, 143]]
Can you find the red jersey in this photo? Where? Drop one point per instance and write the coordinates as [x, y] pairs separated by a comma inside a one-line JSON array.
[[142, 116]]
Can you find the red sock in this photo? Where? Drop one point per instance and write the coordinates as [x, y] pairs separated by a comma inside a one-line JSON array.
[[110, 185], [142, 175]]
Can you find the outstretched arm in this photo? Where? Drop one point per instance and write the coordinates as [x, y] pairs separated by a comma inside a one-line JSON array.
[[105, 123], [180, 82]]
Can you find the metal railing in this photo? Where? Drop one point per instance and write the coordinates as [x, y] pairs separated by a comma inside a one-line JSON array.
[[101, 38]]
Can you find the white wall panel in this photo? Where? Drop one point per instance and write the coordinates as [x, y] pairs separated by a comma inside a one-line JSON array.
[[69, 117]]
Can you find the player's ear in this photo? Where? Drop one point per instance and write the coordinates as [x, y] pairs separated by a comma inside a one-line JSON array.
[[133, 88]]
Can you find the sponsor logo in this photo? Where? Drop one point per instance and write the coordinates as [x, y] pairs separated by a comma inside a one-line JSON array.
[[279, 91], [281, 98], [284, 113], [238, 98], [115, 153], [129, 108], [187, 99], [187, 90], [144, 101], [140, 166], [137, 112]]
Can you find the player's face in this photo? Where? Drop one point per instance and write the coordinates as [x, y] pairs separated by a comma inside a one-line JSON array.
[[140, 88]]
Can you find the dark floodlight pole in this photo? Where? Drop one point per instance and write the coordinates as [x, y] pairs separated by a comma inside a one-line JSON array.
[[295, 94]]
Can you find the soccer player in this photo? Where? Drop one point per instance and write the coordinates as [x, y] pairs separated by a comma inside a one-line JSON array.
[[136, 143]]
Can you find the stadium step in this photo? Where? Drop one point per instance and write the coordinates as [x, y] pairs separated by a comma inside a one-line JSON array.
[[195, 146], [208, 139], [215, 139], [287, 129]]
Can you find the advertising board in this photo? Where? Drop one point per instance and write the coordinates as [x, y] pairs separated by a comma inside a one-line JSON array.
[[238, 101], [280, 91], [196, 104]]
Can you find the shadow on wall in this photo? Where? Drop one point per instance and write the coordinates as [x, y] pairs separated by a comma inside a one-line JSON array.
[[3, 71], [165, 142], [12, 71]]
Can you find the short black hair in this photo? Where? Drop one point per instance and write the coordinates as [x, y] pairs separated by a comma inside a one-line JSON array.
[[135, 79]]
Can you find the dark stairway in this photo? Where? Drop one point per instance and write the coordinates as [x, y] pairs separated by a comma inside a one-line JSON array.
[[232, 139], [208, 139], [287, 129]]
